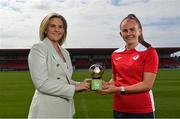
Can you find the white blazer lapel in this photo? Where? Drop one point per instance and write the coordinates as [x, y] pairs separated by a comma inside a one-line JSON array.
[[68, 62], [57, 57]]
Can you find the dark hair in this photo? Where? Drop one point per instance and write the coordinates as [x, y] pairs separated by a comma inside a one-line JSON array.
[[141, 38]]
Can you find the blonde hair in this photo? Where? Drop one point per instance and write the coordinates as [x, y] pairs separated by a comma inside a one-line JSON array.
[[44, 25]]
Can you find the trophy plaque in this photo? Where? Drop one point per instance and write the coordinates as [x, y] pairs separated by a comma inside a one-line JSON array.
[[96, 71]]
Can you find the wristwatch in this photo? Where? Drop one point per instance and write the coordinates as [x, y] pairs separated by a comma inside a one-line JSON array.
[[122, 90]]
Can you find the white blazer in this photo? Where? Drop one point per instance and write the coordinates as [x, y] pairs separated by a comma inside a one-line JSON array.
[[51, 77]]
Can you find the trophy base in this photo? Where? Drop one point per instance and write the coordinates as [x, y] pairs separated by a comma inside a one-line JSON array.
[[96, 84]]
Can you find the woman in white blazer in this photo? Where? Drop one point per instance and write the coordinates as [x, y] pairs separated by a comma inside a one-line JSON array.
[[51, 70]]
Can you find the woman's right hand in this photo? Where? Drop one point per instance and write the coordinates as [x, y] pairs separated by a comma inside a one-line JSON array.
[[105, 85], [82, 86]]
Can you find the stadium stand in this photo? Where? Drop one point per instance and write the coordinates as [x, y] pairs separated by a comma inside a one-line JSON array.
[[15, 64], [16, 59], [169, 62], [13, 59]]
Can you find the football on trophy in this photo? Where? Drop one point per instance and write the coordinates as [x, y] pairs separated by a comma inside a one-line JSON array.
[[96, 71]]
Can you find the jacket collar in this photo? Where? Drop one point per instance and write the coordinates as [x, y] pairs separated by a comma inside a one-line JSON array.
[[139, 48]]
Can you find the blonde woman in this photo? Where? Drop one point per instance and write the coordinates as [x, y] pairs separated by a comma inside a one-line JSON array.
[[51, 70]]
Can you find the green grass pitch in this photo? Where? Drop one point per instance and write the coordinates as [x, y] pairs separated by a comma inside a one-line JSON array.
[[16, 91]]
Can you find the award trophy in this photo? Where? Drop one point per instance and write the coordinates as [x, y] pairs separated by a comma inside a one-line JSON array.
[[96, 71]]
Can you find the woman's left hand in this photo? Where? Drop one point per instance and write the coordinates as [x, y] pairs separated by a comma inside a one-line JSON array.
[[111, 89]]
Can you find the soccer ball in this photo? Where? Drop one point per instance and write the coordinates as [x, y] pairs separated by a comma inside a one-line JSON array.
[[96, 71]]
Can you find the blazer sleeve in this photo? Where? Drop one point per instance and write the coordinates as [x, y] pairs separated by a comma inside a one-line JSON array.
[[73, 82], [37, 61]]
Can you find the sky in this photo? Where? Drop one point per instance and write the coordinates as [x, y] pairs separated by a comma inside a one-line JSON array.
[[91, 23]]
